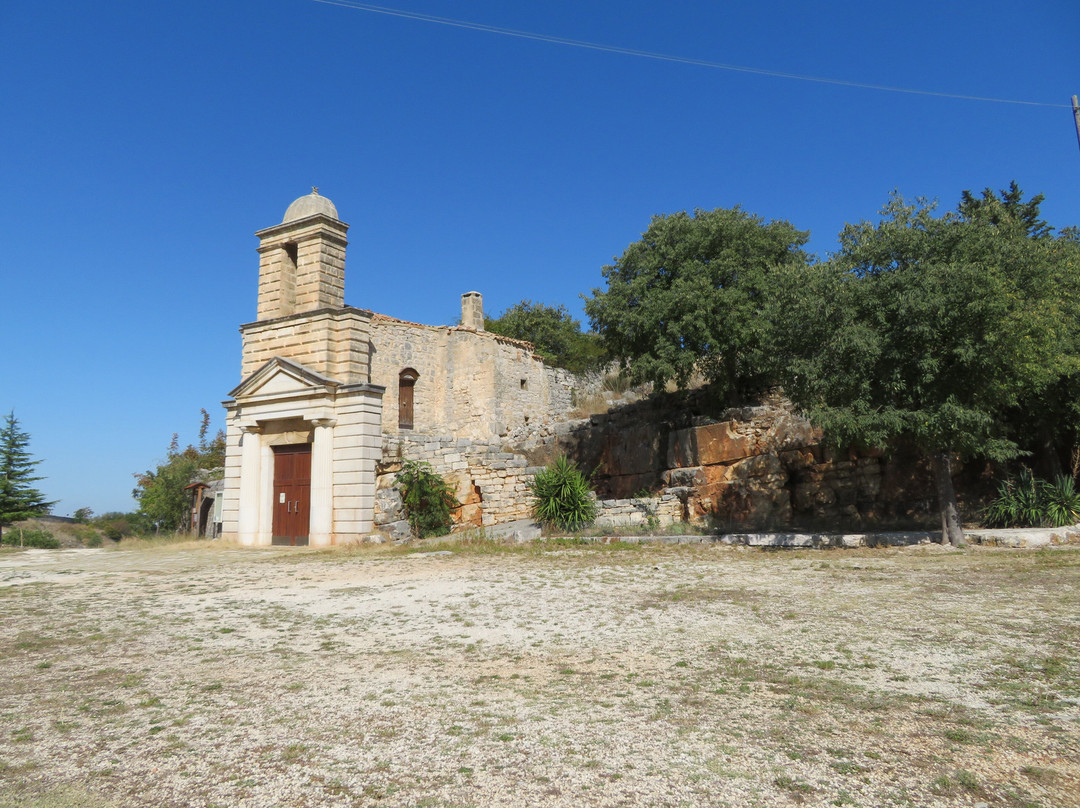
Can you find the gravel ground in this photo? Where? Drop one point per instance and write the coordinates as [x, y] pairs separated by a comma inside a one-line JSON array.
[[205, 675]]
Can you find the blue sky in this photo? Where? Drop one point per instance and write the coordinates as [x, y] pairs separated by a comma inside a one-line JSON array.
[[143, 143]]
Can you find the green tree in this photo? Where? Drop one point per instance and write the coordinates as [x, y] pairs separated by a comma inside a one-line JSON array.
[[556, 335], [688, 297], [1044, 423], [18, 498], [161, 492], [932, 327]]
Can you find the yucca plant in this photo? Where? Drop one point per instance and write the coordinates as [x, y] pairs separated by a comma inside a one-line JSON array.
[[1061, 501], [562, 497], [1017, 503], [1030, 502]]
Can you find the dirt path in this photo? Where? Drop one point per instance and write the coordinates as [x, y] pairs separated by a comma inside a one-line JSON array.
[[644, 676]]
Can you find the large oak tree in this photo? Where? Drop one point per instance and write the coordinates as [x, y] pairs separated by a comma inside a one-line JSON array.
[[689, 296], [932, 327]]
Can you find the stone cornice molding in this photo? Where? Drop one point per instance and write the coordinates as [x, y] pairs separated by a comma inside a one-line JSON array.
[[319, 223]]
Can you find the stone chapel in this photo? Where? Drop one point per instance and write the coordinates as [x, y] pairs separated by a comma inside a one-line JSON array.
[[328, 391], [333, 399]]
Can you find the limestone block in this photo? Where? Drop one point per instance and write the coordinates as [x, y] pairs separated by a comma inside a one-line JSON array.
[[791, 431], [719, 443], [708, 444], [796, 459], [399, 530], [350, 466], [349, 490], [811, 495], [691, 476], [632, 451], [674, 493], [470, 515]]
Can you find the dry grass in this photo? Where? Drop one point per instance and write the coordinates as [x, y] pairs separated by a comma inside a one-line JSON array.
[[475, 673]]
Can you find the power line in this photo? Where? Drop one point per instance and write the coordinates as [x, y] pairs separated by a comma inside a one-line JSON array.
[[575, 43]]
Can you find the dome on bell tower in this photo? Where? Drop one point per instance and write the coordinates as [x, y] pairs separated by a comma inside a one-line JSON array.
[[308, 206]]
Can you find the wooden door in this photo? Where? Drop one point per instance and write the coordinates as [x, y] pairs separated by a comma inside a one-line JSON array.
[[292, 494], [406, 382]]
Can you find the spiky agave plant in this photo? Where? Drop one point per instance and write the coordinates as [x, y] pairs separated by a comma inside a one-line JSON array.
[[562, 497]]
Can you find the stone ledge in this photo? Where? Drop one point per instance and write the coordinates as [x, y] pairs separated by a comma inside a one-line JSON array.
[[1025, 536], [811, 540], [891, 539]]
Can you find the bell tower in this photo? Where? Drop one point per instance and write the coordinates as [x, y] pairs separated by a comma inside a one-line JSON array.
[[303, 432], [302, 260]]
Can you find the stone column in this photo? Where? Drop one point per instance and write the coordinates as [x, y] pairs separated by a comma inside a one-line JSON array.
[[321, 526], [247, 527]]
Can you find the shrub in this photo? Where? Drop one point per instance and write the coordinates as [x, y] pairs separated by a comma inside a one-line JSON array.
[[115, 528], [616, 383], [87, 535], [428, 500], [562, 497], [42, 539], [1030, 502]]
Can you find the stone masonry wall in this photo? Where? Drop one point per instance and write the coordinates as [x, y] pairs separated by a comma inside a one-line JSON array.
[[755, 467], [491, 483], [652, 465], [471, 383]]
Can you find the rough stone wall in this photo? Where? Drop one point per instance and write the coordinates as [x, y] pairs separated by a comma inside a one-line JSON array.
[[490, 482], [641, 512], [471, 384], [653, 464], [758, 467]]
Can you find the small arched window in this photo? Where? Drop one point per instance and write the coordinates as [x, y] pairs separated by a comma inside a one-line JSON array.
[[406, 382]]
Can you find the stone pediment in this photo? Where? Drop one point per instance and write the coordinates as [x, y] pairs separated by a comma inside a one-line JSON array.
[[283, 378]]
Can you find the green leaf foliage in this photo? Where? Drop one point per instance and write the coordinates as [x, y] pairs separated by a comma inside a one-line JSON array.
[[19, 499], [161, 492], [20, 537], [429, 502], [562, 497], [690, 296], [556, 336], [930, 326]]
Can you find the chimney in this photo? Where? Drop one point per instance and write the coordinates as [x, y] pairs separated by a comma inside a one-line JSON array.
[[472, 310]]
